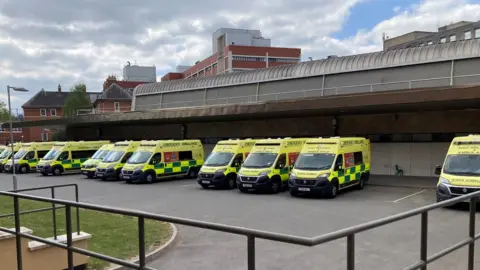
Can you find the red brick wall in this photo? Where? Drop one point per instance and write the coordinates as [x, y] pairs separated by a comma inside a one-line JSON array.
[[262, 51], [34, 134], [203, 64], [172, 76], [5, 137], [109, 106]]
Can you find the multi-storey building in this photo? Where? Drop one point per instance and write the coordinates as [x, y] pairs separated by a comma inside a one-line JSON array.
[[237, 50], [463, 30]]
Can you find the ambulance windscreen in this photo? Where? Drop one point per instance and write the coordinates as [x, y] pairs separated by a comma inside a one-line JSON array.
[[260, 160], [314, 161], [466, 165], [216, 159]]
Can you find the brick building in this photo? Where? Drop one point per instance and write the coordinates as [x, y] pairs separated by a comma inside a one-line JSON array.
[[46, 105], [114, 99], [237, 50]]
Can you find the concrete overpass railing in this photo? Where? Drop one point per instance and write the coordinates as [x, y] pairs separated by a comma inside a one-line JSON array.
[[316, 92]]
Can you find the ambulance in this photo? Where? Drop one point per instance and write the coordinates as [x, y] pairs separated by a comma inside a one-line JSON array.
[[460, 173], [27, 157], [327, 165], [267, 167], [7, 154], [111, 165], [155, 160], [67, 157], [222, 165], [90, 166]]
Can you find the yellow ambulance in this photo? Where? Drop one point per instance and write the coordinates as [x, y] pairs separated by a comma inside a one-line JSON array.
[[26, 159], [327, 165], [155, 160], [111, 165], [90, 166], [7, 154], [222, 165], [267, 167], [460, 173], [67, 157]]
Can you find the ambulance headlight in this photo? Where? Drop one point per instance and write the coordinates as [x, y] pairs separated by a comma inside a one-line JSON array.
[[221, 170], [111, 166], [139, 168], [264, 173], [444, 181], [323, 176], [292, 176]]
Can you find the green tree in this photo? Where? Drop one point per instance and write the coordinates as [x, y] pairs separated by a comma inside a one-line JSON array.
[[4, 115], [77, 99]]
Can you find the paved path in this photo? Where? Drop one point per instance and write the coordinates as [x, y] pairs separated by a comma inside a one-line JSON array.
[[391, 247]]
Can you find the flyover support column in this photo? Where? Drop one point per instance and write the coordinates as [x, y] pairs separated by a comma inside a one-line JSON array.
[[452, 73]]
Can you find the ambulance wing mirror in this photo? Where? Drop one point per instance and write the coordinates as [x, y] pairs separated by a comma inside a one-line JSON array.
[[438, 169], [338, 167]]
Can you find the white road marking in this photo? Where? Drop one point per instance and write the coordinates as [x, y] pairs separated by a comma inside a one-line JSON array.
[[408, 196]]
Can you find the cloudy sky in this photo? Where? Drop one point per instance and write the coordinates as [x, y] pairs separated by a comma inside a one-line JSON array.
[[44, 43]]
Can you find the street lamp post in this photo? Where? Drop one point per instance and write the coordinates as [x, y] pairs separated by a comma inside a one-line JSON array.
[[18, 89]]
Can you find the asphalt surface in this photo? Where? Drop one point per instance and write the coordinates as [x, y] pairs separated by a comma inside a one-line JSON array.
[[394, 246]]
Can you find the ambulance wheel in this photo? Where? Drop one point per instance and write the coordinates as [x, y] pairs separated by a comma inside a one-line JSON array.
[[275, 188], [361, 183], [24, 169], [150, 178], [334, 190], [232, 181], [117, 176], [57, 171], [192, 173]]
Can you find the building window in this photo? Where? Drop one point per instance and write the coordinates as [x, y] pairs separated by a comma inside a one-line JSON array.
[[468, 35], [477, 33], [443, 40], [421, 44], [53, 112], [43, 112], [453, 38], [117, 106], [429, 42]]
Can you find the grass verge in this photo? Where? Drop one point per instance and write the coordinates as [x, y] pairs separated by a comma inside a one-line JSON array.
[[113, 235]]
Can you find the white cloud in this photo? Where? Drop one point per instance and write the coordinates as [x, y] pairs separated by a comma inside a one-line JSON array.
[[44, 43]]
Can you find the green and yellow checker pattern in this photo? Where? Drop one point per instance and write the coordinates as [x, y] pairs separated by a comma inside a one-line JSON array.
[[177, 167], [32, 163], [351, 174], [73, 164]]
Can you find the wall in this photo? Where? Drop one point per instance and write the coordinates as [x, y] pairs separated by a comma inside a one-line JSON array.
[[34, 134], [109, 106], [417, 76], [140, 74]]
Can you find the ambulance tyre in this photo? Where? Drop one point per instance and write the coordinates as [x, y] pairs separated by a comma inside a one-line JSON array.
[[231, 181], [150, 177], [193, 172], [24, 169], [56, 171], [361, 183], [334, 189], [276, 185], [118, 175]]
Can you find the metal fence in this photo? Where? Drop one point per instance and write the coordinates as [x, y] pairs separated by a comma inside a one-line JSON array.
[[250, 234]]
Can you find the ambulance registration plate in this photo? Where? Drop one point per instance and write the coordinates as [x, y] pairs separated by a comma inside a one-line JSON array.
[[247, 185], [100, 174], [126, 177], [303, 189], [205, 182]]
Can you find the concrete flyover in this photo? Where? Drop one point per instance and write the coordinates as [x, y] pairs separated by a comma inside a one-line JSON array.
[[426, 110]]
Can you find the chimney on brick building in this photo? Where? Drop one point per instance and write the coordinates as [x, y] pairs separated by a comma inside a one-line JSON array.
[[59, 88]]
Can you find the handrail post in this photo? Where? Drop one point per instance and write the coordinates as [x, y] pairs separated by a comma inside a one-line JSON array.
[[141, 242], [471, 234], [78, 210], [54, 211], [424, 239], [68, 222], [251, 252], [16, 209], [351, 252]]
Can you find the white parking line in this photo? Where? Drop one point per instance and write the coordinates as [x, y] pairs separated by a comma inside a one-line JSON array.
[[408, 196]]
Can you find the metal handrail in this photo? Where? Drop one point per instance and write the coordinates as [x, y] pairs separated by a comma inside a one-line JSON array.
[[53, 208], [251, 234]]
